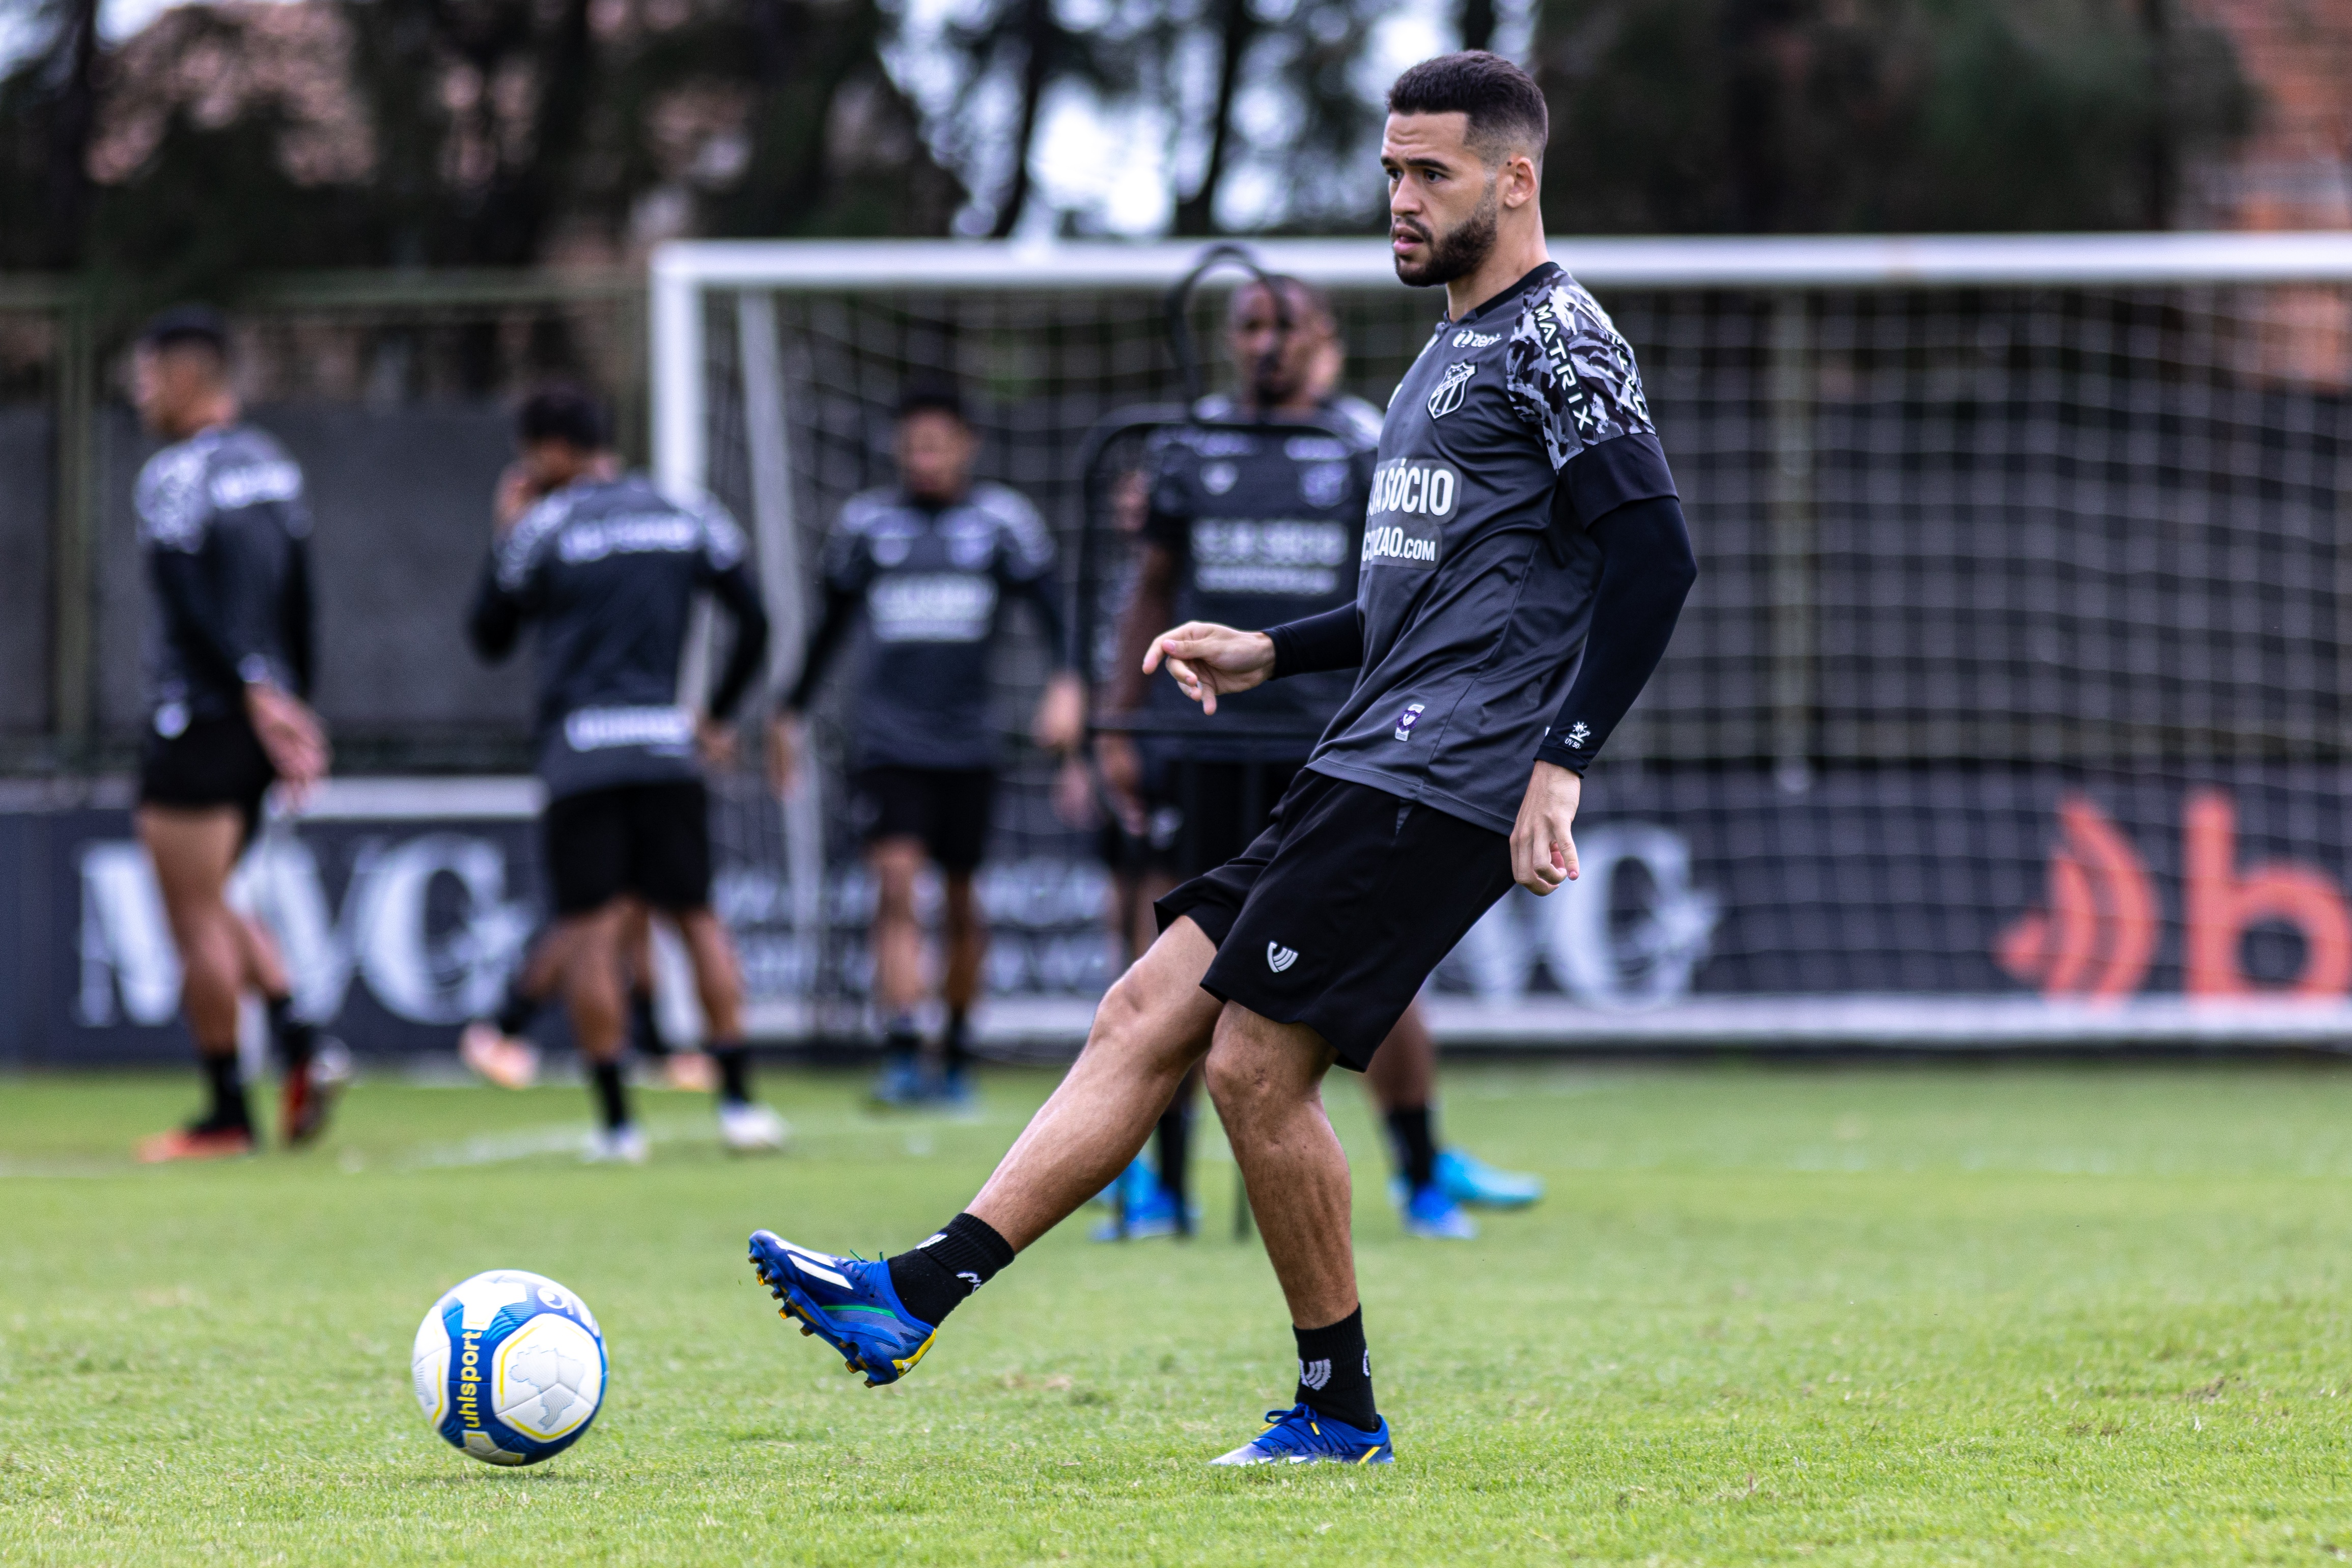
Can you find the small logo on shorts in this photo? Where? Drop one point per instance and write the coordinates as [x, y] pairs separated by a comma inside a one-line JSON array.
[[1279, 957], [1408, 719]]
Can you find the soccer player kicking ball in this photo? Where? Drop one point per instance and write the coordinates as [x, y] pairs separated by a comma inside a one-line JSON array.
[[225, 534], [609, 568], [1523, 564]]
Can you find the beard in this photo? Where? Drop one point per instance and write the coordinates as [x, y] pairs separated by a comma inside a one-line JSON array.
[[1456, 253]]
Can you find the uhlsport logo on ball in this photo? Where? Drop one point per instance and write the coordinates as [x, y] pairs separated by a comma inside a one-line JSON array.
[[510, 1367]]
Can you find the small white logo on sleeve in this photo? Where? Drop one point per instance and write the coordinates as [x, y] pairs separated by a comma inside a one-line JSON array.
[[1577, 734], [1408, 719], [1279, 958], [1316, 1373]]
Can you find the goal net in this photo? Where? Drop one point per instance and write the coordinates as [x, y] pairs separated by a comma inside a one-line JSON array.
[[2009, 707]]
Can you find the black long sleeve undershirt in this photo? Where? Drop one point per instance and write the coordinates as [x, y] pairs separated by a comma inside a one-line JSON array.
[[299, 621], [1313, 643], [181, 583], [1648, 568], [494, 624], [840, 609], [736, 593]]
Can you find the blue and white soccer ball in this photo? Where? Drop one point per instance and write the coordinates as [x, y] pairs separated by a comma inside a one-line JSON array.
[[510, 1367]]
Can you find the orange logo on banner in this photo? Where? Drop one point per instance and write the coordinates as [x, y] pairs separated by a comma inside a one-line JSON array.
[[2098, 935], [2223, 902]]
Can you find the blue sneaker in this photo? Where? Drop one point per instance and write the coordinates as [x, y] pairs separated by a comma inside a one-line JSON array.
[[1131, 1186], [1481, 1185], [848, 1303], [899, 1084], [951, 1091], [1299, 1436], [1430, 1213], [1152, 1215]]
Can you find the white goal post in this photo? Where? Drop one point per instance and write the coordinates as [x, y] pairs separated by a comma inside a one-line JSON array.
[[2123, 464]]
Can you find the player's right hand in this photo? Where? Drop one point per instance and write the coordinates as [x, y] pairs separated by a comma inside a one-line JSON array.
[[290, 735], [517, 491], [1122, 777], [1209, 660], [783, 754]]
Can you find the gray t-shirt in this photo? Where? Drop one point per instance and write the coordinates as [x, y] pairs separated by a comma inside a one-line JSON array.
[[222, 530], [609, 568], [931, 583], [1518, 428]]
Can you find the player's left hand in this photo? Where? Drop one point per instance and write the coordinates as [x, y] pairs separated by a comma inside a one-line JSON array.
[[518, 490], [1543, 844], [1061, 721], [716, 742]]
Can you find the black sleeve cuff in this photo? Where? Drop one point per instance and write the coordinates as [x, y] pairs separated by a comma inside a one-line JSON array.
[[1332, 641], [1615, 473]]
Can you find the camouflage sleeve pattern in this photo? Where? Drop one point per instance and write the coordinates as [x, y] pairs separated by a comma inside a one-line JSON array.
[[173, 497], [1570, 375], [723, 543], [1026, 550], [518, 554], [848, 561]]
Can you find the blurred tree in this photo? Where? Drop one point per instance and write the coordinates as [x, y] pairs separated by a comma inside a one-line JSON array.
[[1760, 116], [48, 111]]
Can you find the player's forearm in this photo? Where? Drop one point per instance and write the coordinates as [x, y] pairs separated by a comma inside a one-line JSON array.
[[817, 652], [1646, 572], [1150, 610], [1332, 641], [496, 619], [734, 590]]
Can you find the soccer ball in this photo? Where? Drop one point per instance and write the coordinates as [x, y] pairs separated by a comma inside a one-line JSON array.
[[510, 1367]]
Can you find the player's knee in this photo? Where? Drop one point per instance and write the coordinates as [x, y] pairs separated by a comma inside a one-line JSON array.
[[1127, 1026]]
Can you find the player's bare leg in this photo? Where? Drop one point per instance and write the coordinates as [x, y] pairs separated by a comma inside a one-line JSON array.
[[744, 1124], [895, 941], [595, 998], [496, 1048], [1266, 1079], [193, 851], [967, 950], [1152, 1027]]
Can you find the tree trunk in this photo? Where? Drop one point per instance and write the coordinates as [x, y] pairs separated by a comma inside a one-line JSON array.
[[1036, 68], [1477, 19], [72, 120], [1237, 26]]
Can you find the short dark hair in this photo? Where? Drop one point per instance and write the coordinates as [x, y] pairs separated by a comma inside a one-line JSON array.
[[1296, 293], [1503, 102], [934, 396], [186, 326], [563, 412]]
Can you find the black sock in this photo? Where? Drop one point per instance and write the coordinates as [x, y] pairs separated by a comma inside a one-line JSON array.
[[227, 1085], [296, 1037], [936, 1276], [1334, 1373], [1175, 1143], [644, 1032], [955, 1045], [515, 1014], [1415, 1146], [734, 1073], [612, 1095], [901, 1041]]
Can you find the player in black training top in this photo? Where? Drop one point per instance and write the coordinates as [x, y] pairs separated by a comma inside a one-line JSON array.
[[1523, 563], [1250, 528], [224, 533], [927, 564], [609, 568]]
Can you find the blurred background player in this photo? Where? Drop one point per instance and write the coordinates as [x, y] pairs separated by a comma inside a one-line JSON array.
[[499, 1048], [222, 533], [1251, 531], [928, 564], [609, 568]]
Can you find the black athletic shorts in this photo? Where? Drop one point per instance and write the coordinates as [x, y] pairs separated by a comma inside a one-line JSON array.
[[650, 839], [1339, 912], [212, 762], [1203, 814], [950, 809]]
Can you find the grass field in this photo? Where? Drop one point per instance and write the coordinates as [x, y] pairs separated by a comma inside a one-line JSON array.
[[1906, 1316]]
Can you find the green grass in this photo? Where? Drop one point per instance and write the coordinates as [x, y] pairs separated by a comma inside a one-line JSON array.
[[1897, 1317]]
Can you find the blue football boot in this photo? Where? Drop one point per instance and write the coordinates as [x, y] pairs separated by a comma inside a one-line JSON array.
[[1130, 1187], [1299, 1436], [1152, 1213], [1430, 1213], [846, 1301], [899, 1085], [1480, 1185]]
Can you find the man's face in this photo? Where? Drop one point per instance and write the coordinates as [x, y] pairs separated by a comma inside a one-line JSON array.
[[1276, 365], [935, 454], [173, 388], [1443, 207]]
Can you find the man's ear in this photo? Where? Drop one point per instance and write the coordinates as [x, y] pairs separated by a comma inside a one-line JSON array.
[[1522, 182]]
